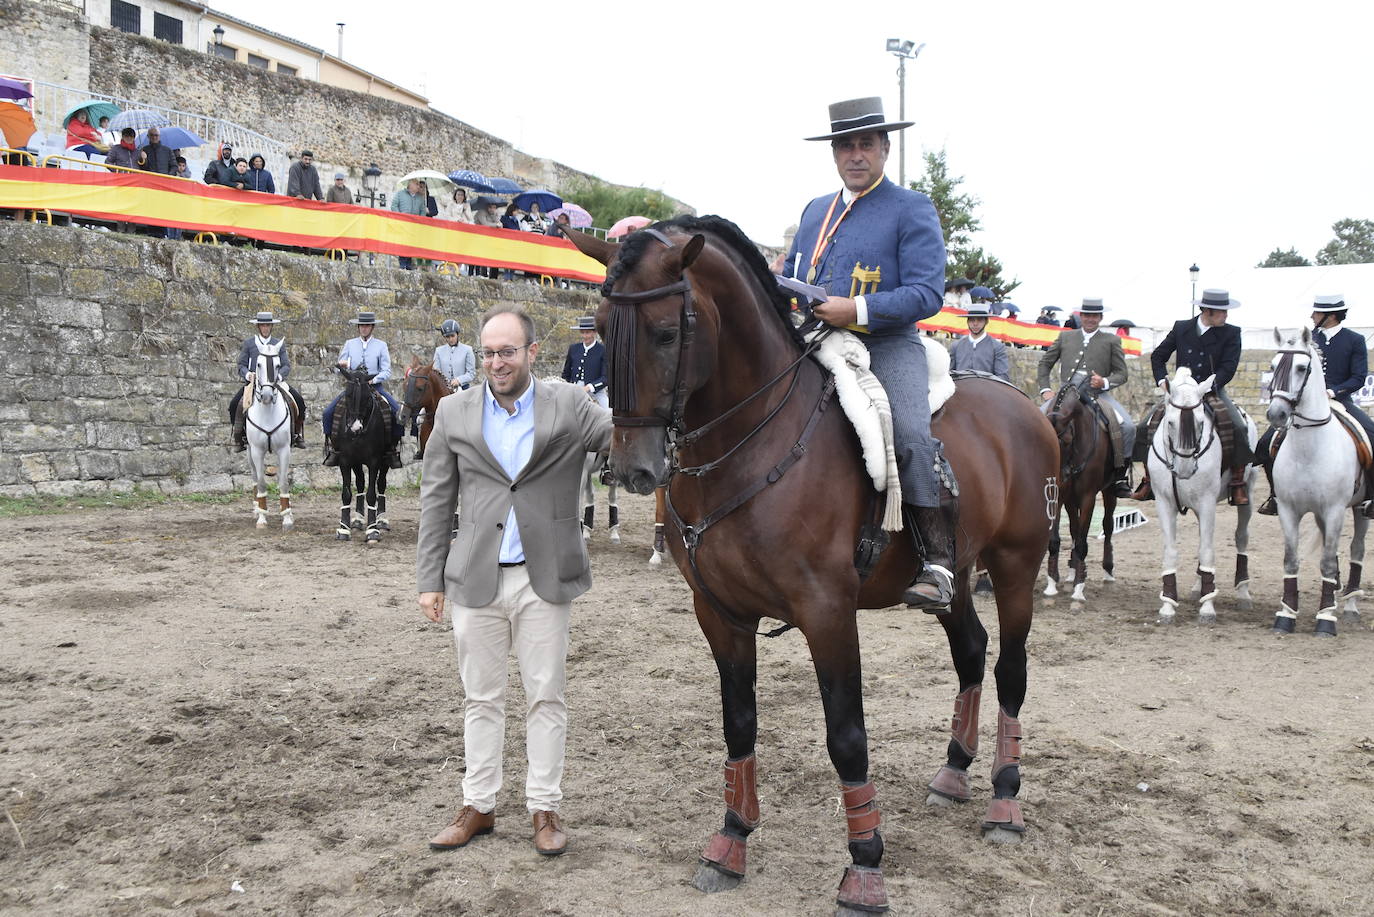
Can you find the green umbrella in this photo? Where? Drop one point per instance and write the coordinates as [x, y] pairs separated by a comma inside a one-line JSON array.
[[95, 110]]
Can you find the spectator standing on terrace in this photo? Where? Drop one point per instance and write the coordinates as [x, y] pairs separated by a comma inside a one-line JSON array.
[[462, 212], [183, 170], [556, 227], [157, 157], [338, 192], [511, 218], [411, 200], [486, 213], [259, 179], [221, 171], [303, 181], [124, 153], [239, 179], [431, 205]]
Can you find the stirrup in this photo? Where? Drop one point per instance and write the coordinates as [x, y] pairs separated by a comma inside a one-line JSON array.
[[394, 458], [1123, 487], [240, 444], [1237, 495], [331, 458], [298, 440], [1269, 507], [1144, 491], [943, 581]]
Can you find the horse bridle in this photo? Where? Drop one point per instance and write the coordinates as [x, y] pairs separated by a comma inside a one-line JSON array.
[[259, 385], [1286, 357], [1198, 450], [1067, 468]]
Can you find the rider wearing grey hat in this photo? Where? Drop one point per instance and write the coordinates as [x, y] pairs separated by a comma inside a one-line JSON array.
[[247, 366]]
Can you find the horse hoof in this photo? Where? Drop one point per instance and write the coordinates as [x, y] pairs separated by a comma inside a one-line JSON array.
[[342, 536], [356, 525], [1164, 620], [842, 911], [1050, 589], [615, 536], [1108, 578], [1207, 620], [656, 559], [384, 526], [373, 536], [1325, 628], [711, 880], [287, 525], [1003, 836], [1245, 605], [936, 801], [260, 524], [1351, 616], [1283, 626]]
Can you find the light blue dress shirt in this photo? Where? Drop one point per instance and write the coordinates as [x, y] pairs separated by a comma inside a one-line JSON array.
[[510, 437], [375, 353]]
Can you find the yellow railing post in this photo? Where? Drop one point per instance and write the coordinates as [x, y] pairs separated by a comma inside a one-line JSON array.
[[200, 237]]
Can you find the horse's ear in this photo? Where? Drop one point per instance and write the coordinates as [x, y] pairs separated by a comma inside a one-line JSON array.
[[692, 249], [1207, 384], [591, 246], [1306, 336], [1278, 338]]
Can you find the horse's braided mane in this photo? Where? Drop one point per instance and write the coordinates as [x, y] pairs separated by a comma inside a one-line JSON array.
[[632, 250]]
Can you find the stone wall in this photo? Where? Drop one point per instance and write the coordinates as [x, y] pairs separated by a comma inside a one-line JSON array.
[[119, 350], [46, 41]]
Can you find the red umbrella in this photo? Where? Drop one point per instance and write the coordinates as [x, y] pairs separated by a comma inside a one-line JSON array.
[[16, 124], [626, 226]]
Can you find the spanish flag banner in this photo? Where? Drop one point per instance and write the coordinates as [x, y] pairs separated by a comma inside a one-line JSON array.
[[163, 200], [1010, 330]]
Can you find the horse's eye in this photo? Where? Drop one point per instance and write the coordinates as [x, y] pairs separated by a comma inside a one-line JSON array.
[[666, 337]]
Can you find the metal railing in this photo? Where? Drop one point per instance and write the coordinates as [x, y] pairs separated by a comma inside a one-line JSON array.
[[51, 101]]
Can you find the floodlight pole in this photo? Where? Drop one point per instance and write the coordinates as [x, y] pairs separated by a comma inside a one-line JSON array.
[[904, 51]]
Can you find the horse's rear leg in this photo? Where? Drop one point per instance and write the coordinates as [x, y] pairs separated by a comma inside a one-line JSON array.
[[1352, 590], [1108, 527], [1242, 584], [588, 495], [968, 645], [382, 522], [360, 498], [374, 534], [1052, 567], [344, 532], [1003, 822], [835, 652], [722, 863], [660, 513]]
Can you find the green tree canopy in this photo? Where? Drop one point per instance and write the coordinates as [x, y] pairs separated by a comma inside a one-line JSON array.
[[608, 203], [1354, 243], [958, 222], [1281, 258]]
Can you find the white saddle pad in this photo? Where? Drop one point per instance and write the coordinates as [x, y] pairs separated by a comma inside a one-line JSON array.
[[866, 405]]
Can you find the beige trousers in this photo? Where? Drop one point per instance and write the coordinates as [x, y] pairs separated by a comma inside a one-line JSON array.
[[538, 631]]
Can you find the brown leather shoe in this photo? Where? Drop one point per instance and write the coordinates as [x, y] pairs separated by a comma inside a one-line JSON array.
[[467, 824], [549, 838], [1144, 491]]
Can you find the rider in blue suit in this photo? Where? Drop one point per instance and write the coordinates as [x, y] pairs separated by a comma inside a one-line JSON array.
[[376, 356], [248, 365]]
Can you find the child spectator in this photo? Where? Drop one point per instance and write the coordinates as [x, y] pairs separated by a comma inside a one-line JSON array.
[[259, 179]]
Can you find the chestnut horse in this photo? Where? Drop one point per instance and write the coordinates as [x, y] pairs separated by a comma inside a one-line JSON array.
[[425, 385], [1085, 470], [769, 512]]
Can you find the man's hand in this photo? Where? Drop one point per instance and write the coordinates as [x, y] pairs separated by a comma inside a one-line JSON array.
[[1330, 393], [838, 311], [454, 384], [344, 364], [1097, 382], [432, 605], [779, 263], [1163, 384], [250, 378]]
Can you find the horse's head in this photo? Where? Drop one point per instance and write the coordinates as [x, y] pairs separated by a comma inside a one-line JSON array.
[[1185, 424], [1071, 416], [1297, 377], [265, 380], [418, 384], [660, 333]]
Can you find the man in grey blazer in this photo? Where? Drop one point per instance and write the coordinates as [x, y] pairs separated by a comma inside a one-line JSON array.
[[513, 448], [1099, 354]]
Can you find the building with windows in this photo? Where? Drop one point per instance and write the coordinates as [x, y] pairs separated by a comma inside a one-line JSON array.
[[195, 25]]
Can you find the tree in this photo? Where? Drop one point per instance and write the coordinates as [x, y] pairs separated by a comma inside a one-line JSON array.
[[1354, 243], [957, 221], [609, 203], [1280, 258]]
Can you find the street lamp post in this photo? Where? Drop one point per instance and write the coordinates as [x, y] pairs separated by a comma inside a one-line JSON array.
[[369, 190], [904, 51], [1192, 275]]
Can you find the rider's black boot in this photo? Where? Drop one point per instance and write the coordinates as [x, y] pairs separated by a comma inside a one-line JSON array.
[[1269, 507], [934, 529], [1123, 486], [240, 430], [1369, 493], [331, 458], [394, 457]]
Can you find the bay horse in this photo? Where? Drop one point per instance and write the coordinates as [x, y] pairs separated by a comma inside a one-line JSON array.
[[1085, 470], [768, 501], [362, 445], [1185, 458], [1317, 470], [425, 385], [267, 422]]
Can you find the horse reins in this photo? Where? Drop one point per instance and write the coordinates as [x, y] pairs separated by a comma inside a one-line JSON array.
[[1068, 469]]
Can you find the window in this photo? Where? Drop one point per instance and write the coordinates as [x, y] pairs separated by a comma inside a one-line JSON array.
[[126, 17], [289, 71], [224, 51], [255, 61], [167, 28]]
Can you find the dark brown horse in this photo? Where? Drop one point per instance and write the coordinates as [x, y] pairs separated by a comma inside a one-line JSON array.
[[1085, 470], [767, 501], [425, 385]]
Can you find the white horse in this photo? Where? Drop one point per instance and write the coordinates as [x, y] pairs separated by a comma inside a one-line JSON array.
[[269, 430], [1185, 464], [1317, 471]]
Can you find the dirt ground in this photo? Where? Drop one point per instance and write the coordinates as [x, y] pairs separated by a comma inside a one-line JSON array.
[[200, 719]]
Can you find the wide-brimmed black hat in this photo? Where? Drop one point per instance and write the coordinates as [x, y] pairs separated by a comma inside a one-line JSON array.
[[265, 318], [365, 318], [1334, 302], [1217, 299], [585, 323], [958, 282], [856, 116]]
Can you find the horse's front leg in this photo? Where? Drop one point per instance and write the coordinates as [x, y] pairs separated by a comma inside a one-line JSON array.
[[374, 534], [613, 511], [1352, 590], [288, 521], [834, 648], [1168, 533], [723, 860], [1286, 620], [257, 458], [660, 513], [344, 533], [1206, 587], [1108, 530], [1243, 513], [1003, 823], [382, 523], [1052, 555], [1331, 525], [359, 497], [1080, 521], [588, 495], [968, 646]]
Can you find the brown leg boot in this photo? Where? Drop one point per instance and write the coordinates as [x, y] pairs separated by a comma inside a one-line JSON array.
[[1144, 491], [241, 430], [1238, 495]]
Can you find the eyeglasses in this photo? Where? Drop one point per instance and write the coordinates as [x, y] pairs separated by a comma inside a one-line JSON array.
[[505, 353]]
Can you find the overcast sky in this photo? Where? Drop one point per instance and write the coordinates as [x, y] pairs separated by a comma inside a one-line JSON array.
[[1112, 145]]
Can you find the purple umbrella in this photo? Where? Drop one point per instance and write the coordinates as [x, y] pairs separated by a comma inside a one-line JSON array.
[[14, 89]]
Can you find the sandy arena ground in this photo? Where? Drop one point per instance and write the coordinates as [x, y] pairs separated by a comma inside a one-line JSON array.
[[199, 719]]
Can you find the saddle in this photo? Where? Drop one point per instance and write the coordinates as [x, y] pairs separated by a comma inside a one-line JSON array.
[[1363, 452], [866, 404]]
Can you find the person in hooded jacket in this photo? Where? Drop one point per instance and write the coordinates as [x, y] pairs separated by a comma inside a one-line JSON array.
[[221, 171], [259, 179]]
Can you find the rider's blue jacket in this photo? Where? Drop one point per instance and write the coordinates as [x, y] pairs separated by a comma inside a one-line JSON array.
[[1345, 361], [248, 359], [374, 353]]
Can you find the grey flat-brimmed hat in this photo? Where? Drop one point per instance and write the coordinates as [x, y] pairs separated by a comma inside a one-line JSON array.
[[365, 318], [584, 323], [265, 318], [1091, 307], [856, 116], [1334, 302], [1217, 299], [978, 310]]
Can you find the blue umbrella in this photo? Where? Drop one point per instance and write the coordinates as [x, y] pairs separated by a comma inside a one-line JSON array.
[[504, 186], [469, 179], [178, 138], [980, 293], [139, 119], [546, 200], [1013, 308]]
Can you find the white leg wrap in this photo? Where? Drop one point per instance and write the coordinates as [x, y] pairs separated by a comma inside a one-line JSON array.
[[1286, 612]]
